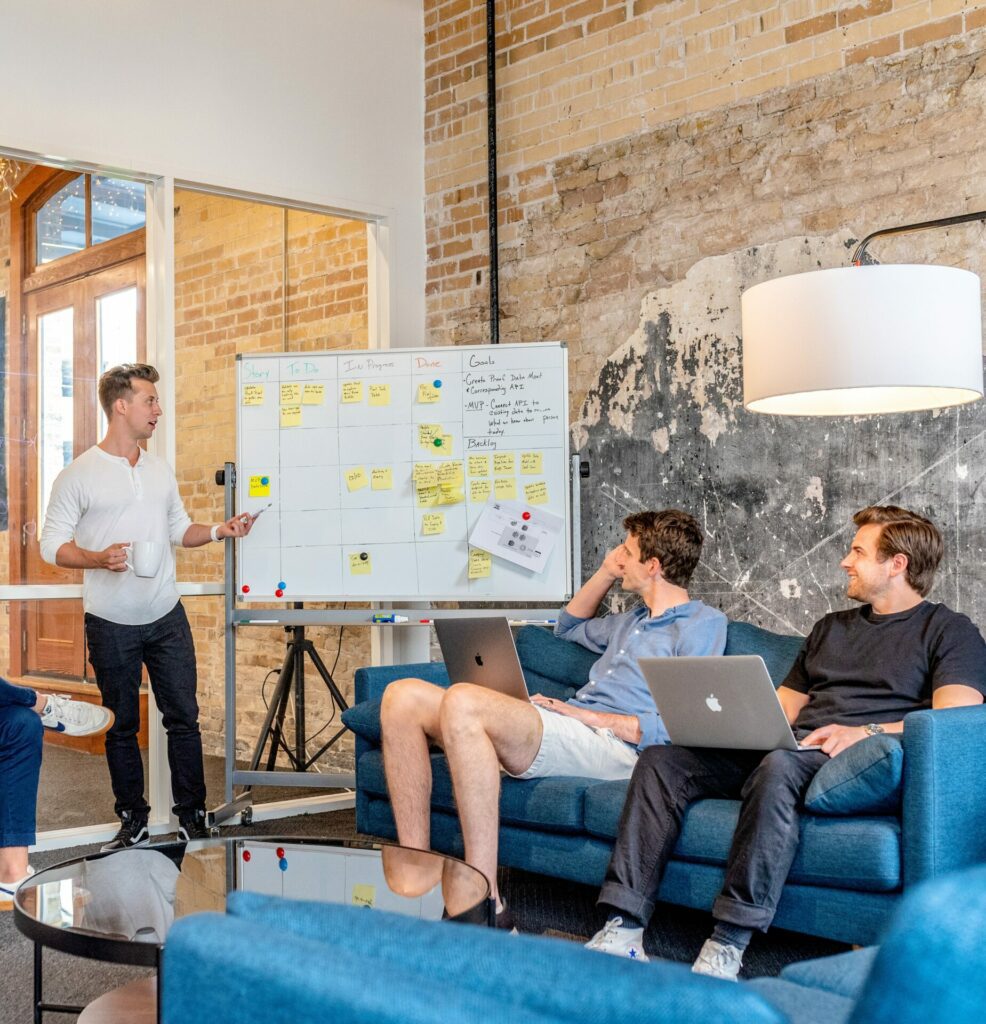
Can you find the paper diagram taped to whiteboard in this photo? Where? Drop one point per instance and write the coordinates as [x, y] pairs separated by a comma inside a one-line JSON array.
[[516, 533], [380, 470]]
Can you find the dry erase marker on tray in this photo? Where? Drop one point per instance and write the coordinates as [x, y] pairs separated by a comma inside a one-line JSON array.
[[387, 617]]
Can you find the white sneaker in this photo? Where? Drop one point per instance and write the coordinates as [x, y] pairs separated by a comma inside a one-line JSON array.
[[719, 960], [75, 717], [616, 940], [7, 889]]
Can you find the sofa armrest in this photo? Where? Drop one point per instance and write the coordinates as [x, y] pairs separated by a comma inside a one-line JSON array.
[[944, 804], [371, 682]]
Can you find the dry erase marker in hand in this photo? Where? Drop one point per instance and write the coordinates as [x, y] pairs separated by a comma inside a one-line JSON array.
[[248, 518]]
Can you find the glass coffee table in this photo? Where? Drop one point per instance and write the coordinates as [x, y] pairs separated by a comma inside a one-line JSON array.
[[118, 907]]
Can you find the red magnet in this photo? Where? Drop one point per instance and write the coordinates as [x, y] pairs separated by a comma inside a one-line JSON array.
[[279, 592], [525, 515], [280, 853], [246, 589], [246, 855]]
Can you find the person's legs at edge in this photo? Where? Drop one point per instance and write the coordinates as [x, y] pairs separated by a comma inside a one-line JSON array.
[[169, 654], [20, 768], [482, 730], [665, 780]]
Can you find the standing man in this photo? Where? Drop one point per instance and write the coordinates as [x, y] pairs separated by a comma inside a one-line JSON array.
[[861, 672], [113, 496], [597, 734]]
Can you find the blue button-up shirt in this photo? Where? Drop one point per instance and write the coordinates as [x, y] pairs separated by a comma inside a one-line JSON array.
[[616, 684]]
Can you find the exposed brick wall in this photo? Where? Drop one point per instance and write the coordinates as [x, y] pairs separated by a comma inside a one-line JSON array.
[[636, 137], [231, 258]]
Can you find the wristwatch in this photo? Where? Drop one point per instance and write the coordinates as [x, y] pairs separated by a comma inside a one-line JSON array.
[[874, 730]]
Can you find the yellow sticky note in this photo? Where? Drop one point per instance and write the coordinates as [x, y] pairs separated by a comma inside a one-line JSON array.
[[480, 490], [432, 523], [364, 896], [536, 493], [503, 462], [450, 473], [314, 394], [259, 487], [428, 394], [379, 394], [446, 444], [253, 394], [359, 563], [427, 433], [450, 495], [382, 479], [352, 391], [290, 415], [425, 475], [356, 479], [290, 394], [480, 564], [428, 496], [530, 462], [505, 488], [479, 465]]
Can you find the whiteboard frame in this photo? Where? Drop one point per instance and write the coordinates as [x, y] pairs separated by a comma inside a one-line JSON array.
[[568, 554]]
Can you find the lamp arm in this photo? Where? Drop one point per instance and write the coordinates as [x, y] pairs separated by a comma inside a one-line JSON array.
[[942, 222]]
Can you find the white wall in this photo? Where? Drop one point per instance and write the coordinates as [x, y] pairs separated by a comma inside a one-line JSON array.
[[316, 101]]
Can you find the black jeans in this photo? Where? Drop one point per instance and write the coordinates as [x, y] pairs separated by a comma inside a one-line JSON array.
[[665, 780], [116, 653]]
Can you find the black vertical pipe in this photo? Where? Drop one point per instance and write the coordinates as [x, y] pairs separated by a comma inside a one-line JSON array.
[[491, 190]]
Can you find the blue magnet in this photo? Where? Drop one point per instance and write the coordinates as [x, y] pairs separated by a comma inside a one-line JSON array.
[[265, 480], [437, 383], [283, 864], [282, 585]]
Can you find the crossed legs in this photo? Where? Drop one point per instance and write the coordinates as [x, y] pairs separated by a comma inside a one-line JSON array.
[[480, 731]]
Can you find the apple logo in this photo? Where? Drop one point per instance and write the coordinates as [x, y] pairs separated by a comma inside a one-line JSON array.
[[712, 702], [479, 660]]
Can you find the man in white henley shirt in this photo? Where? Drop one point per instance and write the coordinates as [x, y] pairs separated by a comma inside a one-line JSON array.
[[111, 496]]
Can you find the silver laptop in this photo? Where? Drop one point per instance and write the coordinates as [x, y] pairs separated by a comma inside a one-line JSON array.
[[482, 651], [725, 701]]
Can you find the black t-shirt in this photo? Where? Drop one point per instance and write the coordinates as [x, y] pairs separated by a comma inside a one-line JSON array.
[[859, 667]]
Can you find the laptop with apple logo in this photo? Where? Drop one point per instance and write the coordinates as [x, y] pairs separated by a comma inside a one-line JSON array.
[[723, 701], [481, 650]]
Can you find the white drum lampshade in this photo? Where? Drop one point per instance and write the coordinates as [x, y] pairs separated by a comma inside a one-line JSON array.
[[859, 340]]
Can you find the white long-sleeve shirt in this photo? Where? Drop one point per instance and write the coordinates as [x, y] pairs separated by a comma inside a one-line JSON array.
[[99, 500]]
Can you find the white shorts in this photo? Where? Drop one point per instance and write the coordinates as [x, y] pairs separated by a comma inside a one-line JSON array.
[[570, 747]]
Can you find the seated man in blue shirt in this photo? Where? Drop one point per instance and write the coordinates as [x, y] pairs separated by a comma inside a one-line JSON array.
[[597, 734]]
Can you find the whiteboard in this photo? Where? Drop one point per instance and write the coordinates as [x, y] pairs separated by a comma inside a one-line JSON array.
[[376, 466]]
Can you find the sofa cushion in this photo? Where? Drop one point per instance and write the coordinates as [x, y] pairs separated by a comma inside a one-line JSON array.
[[865, 778], [802, 1005], [844, 974], [845, 853], [364, 720], [777, 650], [560, 661]]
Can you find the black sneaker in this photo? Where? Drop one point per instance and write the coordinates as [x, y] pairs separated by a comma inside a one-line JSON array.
[[133, 832], [192, 826]]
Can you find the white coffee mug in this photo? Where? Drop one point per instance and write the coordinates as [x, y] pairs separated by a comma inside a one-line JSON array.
[[145, 557]]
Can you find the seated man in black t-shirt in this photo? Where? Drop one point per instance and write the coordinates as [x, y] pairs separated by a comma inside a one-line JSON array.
[[860, 672]]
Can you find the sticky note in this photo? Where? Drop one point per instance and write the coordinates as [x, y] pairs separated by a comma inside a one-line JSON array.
[[480, 564], [432, 523], [359, 566], [428, 496], [379, 394], [450, 473], [480, 490], [364, 896], [290, 415], [290, 394], [536, 493], [352, 391], [530, 462], [503, 462], [505, 488], [425, 474], [313, 394], [382, 479], [356, 479], [253, 394], [450, 495], [259, 487], [428, 394], [446, 444], [427, 432], [479, 465]]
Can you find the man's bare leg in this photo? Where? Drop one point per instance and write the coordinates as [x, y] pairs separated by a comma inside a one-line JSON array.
[[482, 730], [13, 863]]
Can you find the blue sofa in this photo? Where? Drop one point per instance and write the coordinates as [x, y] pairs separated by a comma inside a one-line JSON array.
[[849, 872], [275, 961]]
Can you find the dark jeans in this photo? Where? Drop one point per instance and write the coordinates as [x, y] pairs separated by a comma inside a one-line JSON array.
[[117, 652], [21, 735], [665, 780]]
